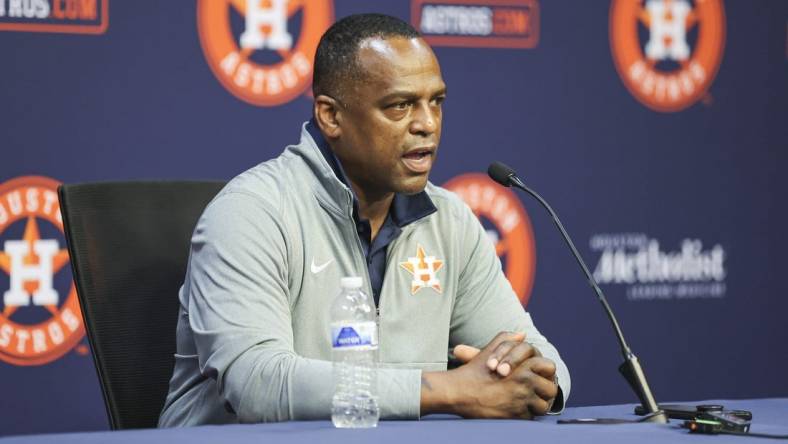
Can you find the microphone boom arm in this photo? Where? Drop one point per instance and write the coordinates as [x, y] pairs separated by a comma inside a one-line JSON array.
[[630, 368]]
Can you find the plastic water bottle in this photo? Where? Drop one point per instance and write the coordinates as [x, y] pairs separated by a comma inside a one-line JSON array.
[[354, 340]]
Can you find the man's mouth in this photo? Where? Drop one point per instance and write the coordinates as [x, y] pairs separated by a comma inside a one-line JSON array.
[[419, 160]]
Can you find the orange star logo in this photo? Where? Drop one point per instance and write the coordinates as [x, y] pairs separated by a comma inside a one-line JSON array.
[[31, 236], [424, 270]]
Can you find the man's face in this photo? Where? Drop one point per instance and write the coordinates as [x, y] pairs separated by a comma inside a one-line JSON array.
[[391, 119]]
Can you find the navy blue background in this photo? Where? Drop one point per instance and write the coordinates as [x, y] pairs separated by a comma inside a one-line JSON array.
[[141, 102]]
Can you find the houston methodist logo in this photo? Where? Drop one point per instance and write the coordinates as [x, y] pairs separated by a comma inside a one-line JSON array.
[[642, 266], [667, 51], [267, 63], [59, 16], [507, 224], [477, 23], [40, 320]]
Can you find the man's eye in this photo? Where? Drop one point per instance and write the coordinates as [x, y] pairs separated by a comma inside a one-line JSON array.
[[438, 100], [401, 106]]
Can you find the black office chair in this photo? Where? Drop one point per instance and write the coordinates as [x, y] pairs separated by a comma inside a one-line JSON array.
[[129, 244]]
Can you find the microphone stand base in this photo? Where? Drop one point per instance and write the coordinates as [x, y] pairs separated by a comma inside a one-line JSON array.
[[658, 417]]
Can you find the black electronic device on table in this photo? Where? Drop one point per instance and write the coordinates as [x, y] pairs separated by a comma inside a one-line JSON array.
[[688, 412], [715, 420], [712, 419]]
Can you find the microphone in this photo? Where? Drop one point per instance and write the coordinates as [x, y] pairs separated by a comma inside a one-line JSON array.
[[630, 369]]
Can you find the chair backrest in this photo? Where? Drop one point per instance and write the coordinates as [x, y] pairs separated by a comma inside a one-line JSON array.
[[129, 245]]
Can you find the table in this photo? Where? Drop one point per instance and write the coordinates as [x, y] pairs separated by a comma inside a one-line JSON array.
[[769, 416]]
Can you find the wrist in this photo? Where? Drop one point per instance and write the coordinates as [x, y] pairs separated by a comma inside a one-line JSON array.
[[437, 393]]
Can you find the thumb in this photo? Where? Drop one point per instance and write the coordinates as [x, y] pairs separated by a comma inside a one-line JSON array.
[[465, 353]]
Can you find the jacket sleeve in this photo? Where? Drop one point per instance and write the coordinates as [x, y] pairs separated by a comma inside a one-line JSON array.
[[486, 304], [239, 312]]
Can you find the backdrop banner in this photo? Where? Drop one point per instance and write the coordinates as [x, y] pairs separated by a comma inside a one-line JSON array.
[[656, 128]]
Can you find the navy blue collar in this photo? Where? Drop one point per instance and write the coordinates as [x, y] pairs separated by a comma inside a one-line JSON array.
[[405, 208]]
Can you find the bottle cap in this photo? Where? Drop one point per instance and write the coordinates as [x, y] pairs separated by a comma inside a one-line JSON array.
[[351, 283]]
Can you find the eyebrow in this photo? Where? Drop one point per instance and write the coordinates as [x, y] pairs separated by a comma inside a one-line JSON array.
[[409, 95]]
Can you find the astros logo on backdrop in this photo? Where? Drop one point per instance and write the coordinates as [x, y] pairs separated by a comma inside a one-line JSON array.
[[511, 233], [667, 51], [255, 49], [40, 320]]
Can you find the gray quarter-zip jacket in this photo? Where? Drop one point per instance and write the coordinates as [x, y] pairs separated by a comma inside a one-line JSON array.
[[264, 268]]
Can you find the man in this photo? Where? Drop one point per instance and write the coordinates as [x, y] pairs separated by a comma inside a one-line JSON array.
[[352, 198]]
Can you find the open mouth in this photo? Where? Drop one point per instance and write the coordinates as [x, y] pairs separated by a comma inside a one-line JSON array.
[[419, 161]]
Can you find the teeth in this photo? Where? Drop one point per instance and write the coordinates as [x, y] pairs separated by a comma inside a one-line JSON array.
[[418, 154]]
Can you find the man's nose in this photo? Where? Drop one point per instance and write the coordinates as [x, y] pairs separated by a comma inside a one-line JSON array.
[[425, 120]]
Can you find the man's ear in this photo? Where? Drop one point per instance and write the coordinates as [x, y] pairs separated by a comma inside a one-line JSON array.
[[327, 114]]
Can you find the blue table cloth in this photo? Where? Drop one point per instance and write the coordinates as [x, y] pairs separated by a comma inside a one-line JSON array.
[[769, 416]]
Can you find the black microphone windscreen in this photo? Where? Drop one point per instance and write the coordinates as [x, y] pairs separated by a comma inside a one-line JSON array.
[[501, 173]]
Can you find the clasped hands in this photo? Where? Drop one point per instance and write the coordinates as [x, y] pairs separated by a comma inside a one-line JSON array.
[[508, 378]]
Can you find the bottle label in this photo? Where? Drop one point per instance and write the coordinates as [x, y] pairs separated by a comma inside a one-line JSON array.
[[347, 335]]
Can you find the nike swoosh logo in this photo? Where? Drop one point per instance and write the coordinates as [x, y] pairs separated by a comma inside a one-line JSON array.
[[318, 268]]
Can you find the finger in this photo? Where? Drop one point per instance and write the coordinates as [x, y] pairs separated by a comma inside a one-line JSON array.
[[544, 388], [497, 340], [538, 406], [465, 353], [500, 352], [516, 356], [541, 366]]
